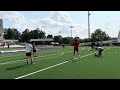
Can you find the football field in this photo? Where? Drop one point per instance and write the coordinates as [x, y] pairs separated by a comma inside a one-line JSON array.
[[58, 63]]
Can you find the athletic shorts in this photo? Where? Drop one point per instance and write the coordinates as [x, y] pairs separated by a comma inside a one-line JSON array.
[[28, 54], [75, 49], [34, 50]]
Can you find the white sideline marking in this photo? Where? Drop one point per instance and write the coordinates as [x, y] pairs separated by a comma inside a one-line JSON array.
[[53, 66], [50, 67]]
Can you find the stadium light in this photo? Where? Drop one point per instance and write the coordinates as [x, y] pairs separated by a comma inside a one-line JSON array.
[[71, 29], [88, 25], [71, 33]]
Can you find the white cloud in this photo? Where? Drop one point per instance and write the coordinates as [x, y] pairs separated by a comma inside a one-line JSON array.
[[12, 19], [60, 21], [61, 16], [55, 22]]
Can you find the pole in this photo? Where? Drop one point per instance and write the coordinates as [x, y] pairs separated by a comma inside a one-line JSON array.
[[59, 33], [88, 25], [71, 29], [71, 33]]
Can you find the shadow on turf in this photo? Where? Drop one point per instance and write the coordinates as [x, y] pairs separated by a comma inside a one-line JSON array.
[[16, 67], [99, 57]]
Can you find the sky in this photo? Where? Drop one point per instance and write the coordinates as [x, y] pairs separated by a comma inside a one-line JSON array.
[[54, 21]]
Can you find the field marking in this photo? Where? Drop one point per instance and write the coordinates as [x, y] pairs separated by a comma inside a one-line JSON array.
[[25, 59], [49, 67], [20, 54], [16, 61], [54, 66], [24, 52], [11, 62]]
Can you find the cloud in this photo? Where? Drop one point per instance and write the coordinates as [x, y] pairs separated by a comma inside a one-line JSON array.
[[55, 22], [12, 19], [61, 21], [61, 16]]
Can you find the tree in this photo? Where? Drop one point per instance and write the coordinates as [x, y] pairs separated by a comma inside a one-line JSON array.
[[17, 34], [99, 35], [11, 33], [71, 40], [58, 39], [25, 35], [42, 34], [49, 36], [65, 40], [34, 34]]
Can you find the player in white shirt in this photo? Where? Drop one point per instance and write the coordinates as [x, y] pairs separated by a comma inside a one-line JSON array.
[[100, 50], [29, 48]]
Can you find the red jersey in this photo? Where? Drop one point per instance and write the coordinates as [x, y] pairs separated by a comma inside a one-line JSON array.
[[76, 44]]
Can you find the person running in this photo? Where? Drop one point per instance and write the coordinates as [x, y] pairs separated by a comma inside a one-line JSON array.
[[29, 48], [76, 44], [34, 49]]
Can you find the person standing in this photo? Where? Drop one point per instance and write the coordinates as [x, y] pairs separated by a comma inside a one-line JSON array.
[[76, 44], [93, 45], [8, 44], [29, 48], [63, 45], [34, 49]]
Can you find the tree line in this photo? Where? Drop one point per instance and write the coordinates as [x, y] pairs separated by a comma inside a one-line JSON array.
[[13, 34]]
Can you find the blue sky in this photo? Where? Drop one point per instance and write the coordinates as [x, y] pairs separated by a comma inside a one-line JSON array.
[[54, 21]]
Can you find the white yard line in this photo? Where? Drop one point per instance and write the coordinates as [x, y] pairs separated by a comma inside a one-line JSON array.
[[49, 67], [53, 66], [16, 61], [11, 62], [22, 54]]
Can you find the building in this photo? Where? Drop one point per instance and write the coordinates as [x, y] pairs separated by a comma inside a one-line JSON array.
[[1, 30], [118, 39], [2, 40]]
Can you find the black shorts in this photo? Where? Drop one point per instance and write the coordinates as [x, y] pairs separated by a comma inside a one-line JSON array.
[[75, 49], [100, 51], [34, 50], [28, 54]]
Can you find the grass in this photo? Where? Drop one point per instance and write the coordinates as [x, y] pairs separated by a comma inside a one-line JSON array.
[[88, 67]]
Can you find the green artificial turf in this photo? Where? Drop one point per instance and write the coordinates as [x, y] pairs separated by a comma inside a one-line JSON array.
[[86, 67]]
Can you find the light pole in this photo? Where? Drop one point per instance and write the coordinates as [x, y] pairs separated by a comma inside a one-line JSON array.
[[71, 30], [71, 33], [88, 25], [59, 33]]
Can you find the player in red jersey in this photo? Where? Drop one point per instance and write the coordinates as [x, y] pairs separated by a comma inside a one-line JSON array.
[[76, 45]]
